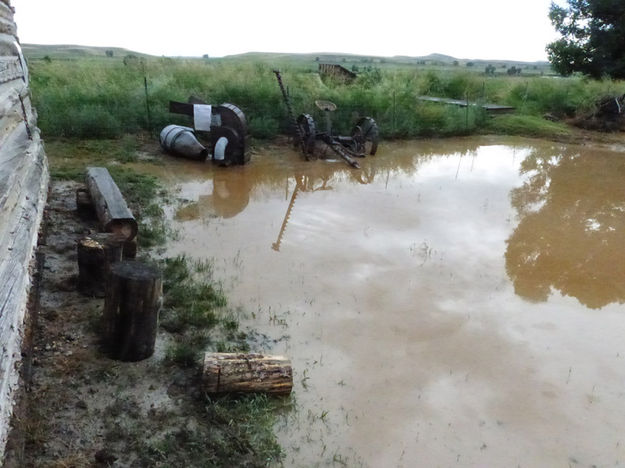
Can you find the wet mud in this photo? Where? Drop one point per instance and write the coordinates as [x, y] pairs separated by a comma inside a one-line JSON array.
[[454, 303]]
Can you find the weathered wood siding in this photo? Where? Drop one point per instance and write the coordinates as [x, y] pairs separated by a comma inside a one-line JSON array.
[[337, 71], [23, 188]]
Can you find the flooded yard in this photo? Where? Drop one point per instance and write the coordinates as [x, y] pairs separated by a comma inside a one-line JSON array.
[[454, 303]]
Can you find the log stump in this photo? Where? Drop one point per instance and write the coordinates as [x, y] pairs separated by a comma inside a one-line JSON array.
[[130, 249], [247, 373], [96, 254], [84, 204], [91, 267], [131, 308]]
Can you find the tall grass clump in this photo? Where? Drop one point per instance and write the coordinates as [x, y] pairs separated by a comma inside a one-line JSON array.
[[559, 97]]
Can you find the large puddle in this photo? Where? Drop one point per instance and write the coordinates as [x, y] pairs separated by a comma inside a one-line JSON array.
[[454, 303]]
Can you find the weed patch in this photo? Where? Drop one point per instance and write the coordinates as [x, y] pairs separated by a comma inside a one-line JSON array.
[[527, 125]]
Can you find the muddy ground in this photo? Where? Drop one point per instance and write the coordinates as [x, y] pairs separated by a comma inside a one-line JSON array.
[[81, 409]]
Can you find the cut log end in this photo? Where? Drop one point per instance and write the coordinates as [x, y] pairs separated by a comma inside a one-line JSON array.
[[125, 227], [247, 373]]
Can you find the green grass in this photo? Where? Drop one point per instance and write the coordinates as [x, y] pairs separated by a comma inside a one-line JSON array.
[[226, 432], [191, 297], [527, 125], [106, 99]]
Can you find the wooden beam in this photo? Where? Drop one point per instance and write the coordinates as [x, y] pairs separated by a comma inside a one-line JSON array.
[[112, 210]]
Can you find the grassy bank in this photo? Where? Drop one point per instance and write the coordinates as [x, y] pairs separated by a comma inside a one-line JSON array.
[[195, 430], [107, 98]]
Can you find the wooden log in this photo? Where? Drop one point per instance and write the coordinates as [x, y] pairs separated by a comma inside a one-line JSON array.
[[130, 249], [96, 254], [131, 307], [91, 262], [109, 202], [247, 373], [84, 204]]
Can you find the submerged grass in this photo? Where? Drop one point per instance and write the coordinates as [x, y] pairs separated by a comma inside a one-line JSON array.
[[229, 431]]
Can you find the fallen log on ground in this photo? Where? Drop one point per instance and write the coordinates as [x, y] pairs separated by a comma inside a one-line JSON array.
[[131, 308], [110, 206], [247, 373]]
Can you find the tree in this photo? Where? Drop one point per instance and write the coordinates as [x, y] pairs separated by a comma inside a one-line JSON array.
[[109, 53], [513, 71], [593, 38]]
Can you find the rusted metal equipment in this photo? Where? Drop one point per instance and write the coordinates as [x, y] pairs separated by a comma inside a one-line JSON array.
[[182, 141], [219, 133], [363, 139]]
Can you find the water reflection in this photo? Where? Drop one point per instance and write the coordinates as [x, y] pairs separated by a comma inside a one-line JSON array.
[[571, 234], [231, 189], [230, 195], [392, 296], [303, 183]]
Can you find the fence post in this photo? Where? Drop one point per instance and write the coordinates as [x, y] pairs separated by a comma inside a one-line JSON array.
[[466, 119], [147, 102]]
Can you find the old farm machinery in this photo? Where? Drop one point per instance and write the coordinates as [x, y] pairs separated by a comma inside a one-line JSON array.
[[363, 139], [219, 133]]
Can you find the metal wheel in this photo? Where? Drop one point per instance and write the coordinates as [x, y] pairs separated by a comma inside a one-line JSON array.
[[308, 131], [366, 136]]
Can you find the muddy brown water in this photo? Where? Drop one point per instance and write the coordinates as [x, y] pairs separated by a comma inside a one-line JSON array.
[[454, 303]]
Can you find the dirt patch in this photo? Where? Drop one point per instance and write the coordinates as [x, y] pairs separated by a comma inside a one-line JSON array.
[[81, 408]]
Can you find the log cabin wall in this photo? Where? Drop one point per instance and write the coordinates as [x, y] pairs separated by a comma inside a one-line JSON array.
[[23, 189]]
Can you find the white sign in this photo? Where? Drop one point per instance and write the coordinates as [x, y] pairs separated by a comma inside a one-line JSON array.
[[202, 117]]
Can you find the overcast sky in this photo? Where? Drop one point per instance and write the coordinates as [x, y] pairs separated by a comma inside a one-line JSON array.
[[472, 29]]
